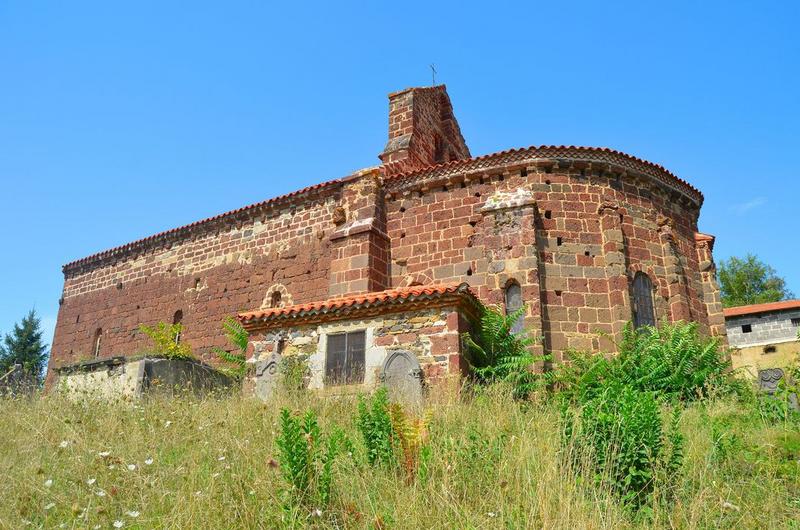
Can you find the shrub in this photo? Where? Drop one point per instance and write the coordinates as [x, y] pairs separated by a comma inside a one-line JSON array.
[[166, 338], [238, 338], [375, 425], [497, 354], [306, 459], [618, 437], [672, 361]]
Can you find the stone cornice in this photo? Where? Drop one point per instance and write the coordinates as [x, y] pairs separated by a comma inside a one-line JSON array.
[[585, 157]]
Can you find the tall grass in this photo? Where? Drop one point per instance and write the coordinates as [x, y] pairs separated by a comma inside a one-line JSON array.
[[495, 463]]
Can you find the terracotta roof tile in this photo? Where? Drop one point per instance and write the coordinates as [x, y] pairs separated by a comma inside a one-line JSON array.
[[760, 308], [185, 229], [336, 305], [599, 154], [509, 156]]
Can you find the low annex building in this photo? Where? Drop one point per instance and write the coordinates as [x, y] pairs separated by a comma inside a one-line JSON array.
[[375, 274], [764, 337]]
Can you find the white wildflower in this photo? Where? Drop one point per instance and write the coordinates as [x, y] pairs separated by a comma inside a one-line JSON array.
[[50, 506], [730, 506], [91, 481], [118, 524], [492, 514], [198, 492], [167, 423], [215, 475], [48, 483], [221, 458], [131, 467], [100, 493], [252, 492], [63, 444], [148, 462], [112, 466], [104, 453], [134, 514], [317, 513]]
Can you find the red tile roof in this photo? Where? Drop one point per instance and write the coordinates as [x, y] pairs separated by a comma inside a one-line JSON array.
[[555, 152], [760, 308], [183, 231], [510, 156], [399, 298]]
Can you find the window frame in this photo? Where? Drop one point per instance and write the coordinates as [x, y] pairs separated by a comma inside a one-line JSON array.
[[98, 338], [511, 305], [352, 369], [642, 293]]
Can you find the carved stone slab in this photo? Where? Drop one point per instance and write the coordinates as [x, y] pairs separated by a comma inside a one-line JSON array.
[[402, 375], [267, 376], [769, 381]]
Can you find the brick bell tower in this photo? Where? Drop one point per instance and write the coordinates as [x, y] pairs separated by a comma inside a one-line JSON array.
[[422, 132]]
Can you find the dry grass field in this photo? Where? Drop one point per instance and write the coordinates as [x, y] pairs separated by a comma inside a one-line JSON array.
[[495, 463]]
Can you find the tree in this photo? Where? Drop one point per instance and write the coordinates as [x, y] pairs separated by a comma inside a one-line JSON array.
[[749, 280], [24, 346]]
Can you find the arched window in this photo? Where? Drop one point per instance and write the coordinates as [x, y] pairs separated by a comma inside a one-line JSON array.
[[275, 299], [98, 337], [643, 313], [177, 319], [513, 299]]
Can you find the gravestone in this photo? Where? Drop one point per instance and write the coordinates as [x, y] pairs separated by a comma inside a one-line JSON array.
[[769, 383], [402, 376], [769, 379], [267, 376]]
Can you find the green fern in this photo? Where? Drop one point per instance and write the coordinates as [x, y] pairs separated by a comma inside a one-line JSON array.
[[496, 353], [238, 338]]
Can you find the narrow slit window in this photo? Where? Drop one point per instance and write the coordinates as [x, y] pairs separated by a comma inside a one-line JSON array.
[[344, 358], [275, 299], [177, 318], [98, 338], [513, 301], [643, 313]]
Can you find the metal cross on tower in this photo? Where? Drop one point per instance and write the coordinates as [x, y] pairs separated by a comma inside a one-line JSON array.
[[433, 73]]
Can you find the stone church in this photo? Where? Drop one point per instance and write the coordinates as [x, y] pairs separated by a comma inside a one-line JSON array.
[[379, 272]]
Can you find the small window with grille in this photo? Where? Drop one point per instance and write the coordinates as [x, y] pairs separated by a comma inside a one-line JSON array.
[[344, 358]]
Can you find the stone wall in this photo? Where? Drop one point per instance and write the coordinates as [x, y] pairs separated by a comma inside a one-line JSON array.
[[431, 335], [571, 234], [211, 271], [751, 359], [767, 328]]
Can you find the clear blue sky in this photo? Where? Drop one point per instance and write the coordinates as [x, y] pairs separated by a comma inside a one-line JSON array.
[[117, 122]]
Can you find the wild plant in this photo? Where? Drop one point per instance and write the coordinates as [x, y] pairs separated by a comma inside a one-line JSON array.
[[673, 361], [238, 338], [618, 437], [306, 459], [293, 371], [166, 338], [375, 425], [497, 354], [411, 438]]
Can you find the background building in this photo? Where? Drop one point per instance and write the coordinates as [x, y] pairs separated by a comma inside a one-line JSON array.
[[764, 335]]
